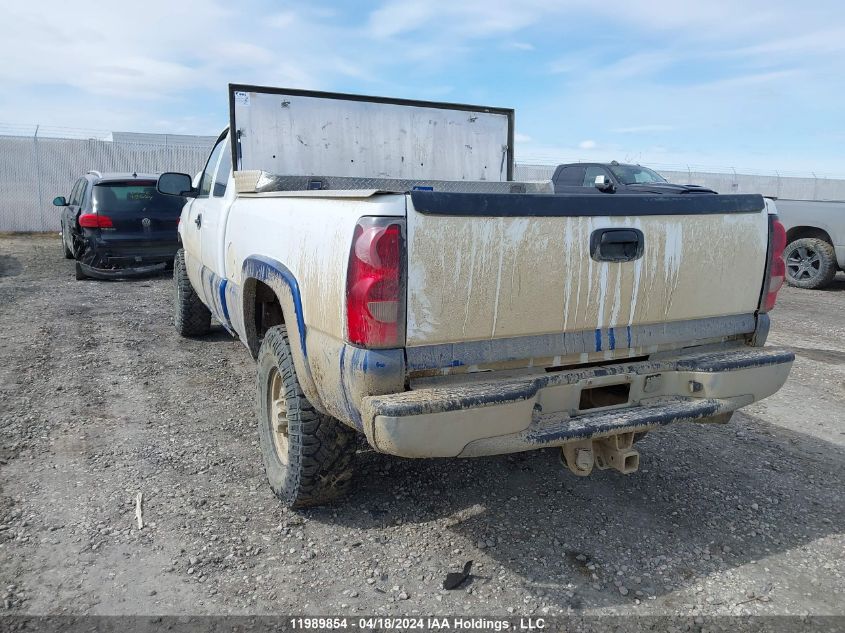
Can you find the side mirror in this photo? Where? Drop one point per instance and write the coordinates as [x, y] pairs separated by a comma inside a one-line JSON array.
[[59, 201], [603, 183], [174, 184]]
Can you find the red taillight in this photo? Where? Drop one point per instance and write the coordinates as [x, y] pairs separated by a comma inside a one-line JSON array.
[[95, 221], [374, 284], [777, 267]]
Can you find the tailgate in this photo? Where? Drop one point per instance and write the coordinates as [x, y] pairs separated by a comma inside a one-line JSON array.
[[496, 277]]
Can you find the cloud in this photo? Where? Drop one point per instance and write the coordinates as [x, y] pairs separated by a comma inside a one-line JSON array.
[[521, 138], [582, 62], [588, 144], [437, 35], [755, 79], [519, 46], [398, 17], [146, 68], [468, 19], [550, 154], [643, 129], [824, 41]]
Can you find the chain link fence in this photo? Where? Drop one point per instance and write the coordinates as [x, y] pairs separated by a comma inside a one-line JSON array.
[[34, 170]]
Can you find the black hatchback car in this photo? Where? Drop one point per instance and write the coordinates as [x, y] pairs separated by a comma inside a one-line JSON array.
[[117, 225]]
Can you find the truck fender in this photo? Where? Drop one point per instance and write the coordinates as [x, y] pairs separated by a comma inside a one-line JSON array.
[[284, 285], [796, 228]]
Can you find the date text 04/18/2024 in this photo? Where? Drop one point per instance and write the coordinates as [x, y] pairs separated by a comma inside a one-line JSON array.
[[418, 623]]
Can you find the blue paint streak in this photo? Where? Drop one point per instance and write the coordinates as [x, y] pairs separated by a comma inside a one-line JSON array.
[[262, 268], [628, 330], [611, 337], [214, 288], [344, 390], [223, 305], [598, 340], [360, 359]]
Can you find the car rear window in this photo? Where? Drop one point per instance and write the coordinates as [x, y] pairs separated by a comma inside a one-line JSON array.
[[133, 195]]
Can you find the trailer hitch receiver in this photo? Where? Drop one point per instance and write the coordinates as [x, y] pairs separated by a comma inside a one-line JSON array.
[[616, 452]]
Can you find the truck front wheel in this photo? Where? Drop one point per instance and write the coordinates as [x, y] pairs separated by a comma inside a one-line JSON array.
[[191, 316], [307, 455]]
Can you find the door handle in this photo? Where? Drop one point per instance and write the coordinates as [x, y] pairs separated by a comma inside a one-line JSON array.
[[616, 245], [198, 220]]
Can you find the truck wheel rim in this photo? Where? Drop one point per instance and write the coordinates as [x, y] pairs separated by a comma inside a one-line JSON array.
[[803, 263], [278, 416]]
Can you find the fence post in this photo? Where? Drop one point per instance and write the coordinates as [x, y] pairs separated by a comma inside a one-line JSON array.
[[38, 178]]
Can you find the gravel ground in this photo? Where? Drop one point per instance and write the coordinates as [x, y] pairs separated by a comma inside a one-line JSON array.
[[101, 400]]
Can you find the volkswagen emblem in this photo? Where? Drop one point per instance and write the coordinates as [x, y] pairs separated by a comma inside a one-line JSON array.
[[146, 223]]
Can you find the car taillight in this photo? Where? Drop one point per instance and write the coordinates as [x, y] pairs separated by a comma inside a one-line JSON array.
[[777, 267], [375, 305], [95, 221]]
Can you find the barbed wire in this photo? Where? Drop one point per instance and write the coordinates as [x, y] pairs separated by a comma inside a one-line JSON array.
[[51, 131]]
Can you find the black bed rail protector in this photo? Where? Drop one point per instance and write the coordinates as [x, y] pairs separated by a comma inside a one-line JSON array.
[[551, 205]]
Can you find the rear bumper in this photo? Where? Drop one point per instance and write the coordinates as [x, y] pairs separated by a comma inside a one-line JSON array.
[[105, 252], [126, 272], [513, 415]]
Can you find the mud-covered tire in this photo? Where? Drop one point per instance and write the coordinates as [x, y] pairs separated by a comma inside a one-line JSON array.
[[310, 462], [810, 263], [80, 275], [191, 317]]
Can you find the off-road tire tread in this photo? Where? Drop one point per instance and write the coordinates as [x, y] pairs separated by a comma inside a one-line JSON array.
[[827, 268], [191, 317], [322, 449]]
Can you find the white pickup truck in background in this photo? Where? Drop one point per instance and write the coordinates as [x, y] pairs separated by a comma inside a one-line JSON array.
[[391, 280], [815, 241]]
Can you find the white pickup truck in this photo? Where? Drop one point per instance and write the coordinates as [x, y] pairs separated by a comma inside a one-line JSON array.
[[391, 280], [815, 241]]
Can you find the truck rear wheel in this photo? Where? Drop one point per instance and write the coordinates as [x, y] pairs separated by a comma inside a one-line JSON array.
[[308, 456], [810, 263], [191, 316]]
